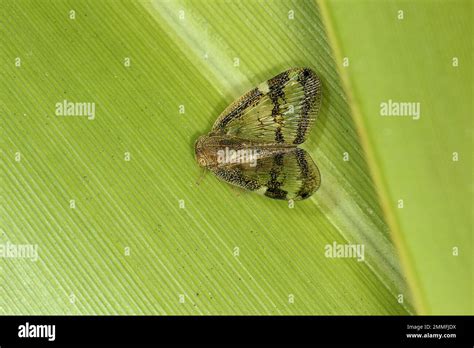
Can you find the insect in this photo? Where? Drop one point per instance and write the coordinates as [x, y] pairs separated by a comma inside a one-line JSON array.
[[254, 142]]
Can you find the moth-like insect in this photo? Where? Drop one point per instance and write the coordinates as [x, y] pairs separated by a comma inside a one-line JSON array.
[[254, 142]]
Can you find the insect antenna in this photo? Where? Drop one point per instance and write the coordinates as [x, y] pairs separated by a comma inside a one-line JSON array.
[[201, 177]]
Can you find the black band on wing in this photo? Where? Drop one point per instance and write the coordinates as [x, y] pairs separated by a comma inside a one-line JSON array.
[[273, 185], [276, 92], [236, 177], [246, 101], [311, 88], [307, 178]]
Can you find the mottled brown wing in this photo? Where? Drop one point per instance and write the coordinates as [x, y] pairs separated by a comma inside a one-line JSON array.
[[287, 174], [280, 110]]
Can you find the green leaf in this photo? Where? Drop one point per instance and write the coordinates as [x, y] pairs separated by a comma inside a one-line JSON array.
[[423, 55], [143, 237]]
